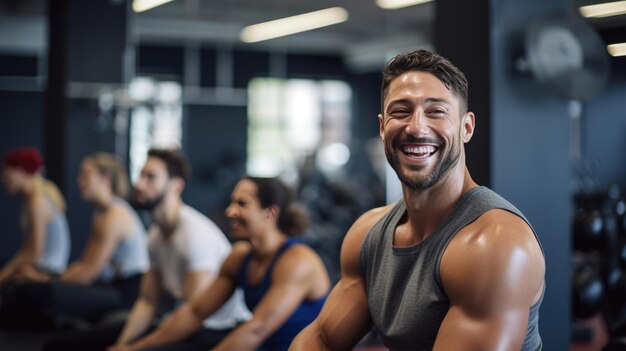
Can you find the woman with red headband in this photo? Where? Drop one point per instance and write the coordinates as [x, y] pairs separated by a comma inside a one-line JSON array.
[[46, 241]]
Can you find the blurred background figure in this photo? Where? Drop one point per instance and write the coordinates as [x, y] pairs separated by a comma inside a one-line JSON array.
[[284, 282], [46, 243], [107, 275], [186, 252]]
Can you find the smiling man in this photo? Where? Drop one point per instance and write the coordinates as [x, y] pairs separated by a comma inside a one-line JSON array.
[[451, 265]]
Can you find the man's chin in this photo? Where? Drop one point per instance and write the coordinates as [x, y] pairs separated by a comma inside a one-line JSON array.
[[144, 205]]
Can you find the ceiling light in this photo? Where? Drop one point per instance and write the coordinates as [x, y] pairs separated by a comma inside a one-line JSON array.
[[145, 5], [294, 24], [398, 4], [604, 10], [618, 49]]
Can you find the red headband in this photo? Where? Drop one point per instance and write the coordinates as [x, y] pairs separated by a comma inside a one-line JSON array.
[[27, 159]]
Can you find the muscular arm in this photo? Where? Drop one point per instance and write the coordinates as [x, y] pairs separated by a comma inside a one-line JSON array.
[[107, 231], [493, 272], [345, 318], [295, 278], [37, 216]]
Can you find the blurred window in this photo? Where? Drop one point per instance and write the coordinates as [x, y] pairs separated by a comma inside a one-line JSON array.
[[156, 119], [290, 119]]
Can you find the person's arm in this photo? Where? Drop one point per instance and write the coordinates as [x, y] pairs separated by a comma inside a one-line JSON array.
[[189, 316], [293, 280], [492, 271], [144, 309], [107, 231], [345, 317], [37, 216]]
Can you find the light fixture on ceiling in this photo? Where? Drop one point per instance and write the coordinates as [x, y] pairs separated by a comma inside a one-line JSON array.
[[618, 49], [145, 5], [398, 4], [604, 9], [294, 24]]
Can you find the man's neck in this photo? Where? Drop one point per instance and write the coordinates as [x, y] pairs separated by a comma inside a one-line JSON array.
[[167, 216], [428, 208]]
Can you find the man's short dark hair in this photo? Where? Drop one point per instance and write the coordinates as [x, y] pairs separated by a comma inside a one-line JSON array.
[[426, 61], [176, 163]]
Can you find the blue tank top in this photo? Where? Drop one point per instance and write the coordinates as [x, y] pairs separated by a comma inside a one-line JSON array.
[[301, 317]]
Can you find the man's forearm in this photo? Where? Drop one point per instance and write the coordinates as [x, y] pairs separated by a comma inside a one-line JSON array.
[[177, 327], [138, 321]]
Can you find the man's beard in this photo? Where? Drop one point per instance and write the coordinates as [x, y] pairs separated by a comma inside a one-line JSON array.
[[149, 204], [441, 167]]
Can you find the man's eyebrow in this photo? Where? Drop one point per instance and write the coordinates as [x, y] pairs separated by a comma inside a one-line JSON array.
[[431, 100], [438, 100]]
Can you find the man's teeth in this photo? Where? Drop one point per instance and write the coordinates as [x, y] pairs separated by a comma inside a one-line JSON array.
[[420, 151]]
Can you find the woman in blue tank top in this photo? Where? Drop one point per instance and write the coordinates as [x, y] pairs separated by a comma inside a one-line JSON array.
[[284, 282]]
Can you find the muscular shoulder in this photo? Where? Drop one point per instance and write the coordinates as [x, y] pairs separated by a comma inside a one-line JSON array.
[[302, 266], [497, 252], [296, 258]]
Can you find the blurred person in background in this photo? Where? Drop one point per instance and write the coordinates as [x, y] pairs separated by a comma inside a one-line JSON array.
[[186, 252], [106, 277], [46, 238], [284, 282]]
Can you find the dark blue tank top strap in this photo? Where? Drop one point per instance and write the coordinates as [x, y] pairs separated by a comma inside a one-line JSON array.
[[243, 269]]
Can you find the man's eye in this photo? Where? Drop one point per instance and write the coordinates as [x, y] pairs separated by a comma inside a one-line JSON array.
[[399, 112], [437, 111]]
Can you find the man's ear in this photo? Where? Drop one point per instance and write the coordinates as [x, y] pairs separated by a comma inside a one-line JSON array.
[[178, 184], [467, 131], [381, 127]]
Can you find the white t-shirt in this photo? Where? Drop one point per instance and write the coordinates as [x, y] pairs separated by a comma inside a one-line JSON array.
[[197, 244]]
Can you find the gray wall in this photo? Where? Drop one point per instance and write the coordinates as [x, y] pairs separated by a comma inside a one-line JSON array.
[[529, 152]]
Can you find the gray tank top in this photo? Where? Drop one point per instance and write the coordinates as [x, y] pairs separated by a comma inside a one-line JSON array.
[[404, 291], [56, 252], [131, 254]]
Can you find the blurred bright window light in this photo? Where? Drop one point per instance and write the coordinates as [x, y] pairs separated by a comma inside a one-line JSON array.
[[332, 157], [294, 24], [291, 119], [142, 89], [169, 92], [398, 4], [618, 49], [145, 5], [604, 9], [155, 120]]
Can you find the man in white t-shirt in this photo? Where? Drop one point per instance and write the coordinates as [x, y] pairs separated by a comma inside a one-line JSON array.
[[186, 253]]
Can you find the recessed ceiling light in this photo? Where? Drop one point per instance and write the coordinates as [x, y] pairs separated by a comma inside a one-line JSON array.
[[604, 10], [397, 4], [145, 5], [294, 24], [618, 49]]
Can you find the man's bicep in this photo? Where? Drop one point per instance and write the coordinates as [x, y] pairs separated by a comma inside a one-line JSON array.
[[492, 277]]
